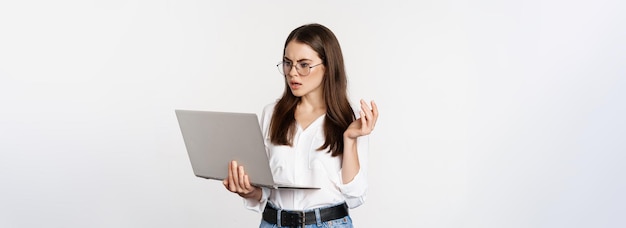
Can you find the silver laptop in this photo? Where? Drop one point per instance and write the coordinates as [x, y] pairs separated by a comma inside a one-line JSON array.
[[213, 139]]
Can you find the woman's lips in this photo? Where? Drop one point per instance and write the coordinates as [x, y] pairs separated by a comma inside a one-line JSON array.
[[295, 85]]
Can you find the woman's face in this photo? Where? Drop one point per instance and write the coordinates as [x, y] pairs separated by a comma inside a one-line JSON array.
[[302, 56]]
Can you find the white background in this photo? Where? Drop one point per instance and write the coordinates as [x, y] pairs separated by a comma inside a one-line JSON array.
[[493, 113]]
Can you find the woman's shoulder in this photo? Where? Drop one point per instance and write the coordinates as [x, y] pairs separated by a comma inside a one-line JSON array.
[[268, 109]]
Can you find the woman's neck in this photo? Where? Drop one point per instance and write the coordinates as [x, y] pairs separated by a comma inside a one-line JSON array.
[[312, 104]]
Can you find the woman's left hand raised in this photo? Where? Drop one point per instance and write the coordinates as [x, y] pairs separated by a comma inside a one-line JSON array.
[[365, 124]]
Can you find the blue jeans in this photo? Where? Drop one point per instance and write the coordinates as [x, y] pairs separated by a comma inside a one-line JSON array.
[[345, 222]]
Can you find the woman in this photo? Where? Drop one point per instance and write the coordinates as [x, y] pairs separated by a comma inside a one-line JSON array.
[[313, 137]]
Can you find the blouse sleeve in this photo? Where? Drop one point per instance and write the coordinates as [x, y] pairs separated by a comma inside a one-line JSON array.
[[355, 190], [259, 205]]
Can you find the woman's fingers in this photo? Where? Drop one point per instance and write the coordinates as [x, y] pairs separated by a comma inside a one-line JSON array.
[[366, 109], [247, 184], [231, 176], [368, 116], [242, 183], [237, 180], [363, 122], [236, 176], [374, 114]]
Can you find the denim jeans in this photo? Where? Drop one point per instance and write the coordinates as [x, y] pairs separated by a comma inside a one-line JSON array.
[[345, 222]]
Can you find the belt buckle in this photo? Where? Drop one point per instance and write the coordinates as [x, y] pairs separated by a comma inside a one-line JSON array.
[[302, 218]]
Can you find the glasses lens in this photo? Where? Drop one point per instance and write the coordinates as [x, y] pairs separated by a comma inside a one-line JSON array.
[[303, 69], [281, 68], [284, 68]]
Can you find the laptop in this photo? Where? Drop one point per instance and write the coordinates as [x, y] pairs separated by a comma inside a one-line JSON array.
[[213, 139]]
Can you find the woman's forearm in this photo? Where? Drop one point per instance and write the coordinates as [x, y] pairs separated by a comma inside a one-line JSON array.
[[350, 164]]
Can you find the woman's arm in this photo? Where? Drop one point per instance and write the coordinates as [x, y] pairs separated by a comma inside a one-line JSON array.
[[362, 126]]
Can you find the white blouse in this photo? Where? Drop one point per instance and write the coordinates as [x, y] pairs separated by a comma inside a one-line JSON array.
[[302, 164]]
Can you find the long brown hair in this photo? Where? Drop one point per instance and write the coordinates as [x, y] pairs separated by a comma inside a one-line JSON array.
[[339, 113]]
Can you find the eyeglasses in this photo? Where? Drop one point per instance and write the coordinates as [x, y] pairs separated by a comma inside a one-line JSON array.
[[303, 69]]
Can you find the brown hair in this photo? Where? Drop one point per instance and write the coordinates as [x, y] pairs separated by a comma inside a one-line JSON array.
[[339, 113]]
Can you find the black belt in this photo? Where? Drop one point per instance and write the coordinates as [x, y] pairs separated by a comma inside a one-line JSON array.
[[297, 218]]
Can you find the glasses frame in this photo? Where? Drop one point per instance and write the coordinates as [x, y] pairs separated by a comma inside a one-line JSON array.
[[298, 68]]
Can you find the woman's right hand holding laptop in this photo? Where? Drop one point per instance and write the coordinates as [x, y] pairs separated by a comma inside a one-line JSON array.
[[238, 182]]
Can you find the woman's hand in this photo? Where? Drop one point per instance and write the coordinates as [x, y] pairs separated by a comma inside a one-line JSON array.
[[365, 124], [238, 182]]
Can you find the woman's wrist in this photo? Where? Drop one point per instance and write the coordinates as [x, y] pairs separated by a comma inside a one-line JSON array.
[[347, 141], [254, 194]]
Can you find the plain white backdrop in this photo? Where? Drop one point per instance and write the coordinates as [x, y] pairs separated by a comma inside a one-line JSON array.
[[493, 113]]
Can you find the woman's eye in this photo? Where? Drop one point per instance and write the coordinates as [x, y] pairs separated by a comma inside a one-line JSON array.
[[304, 65]]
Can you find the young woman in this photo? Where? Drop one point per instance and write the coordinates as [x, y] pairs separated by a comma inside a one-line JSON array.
[[313, 136]]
